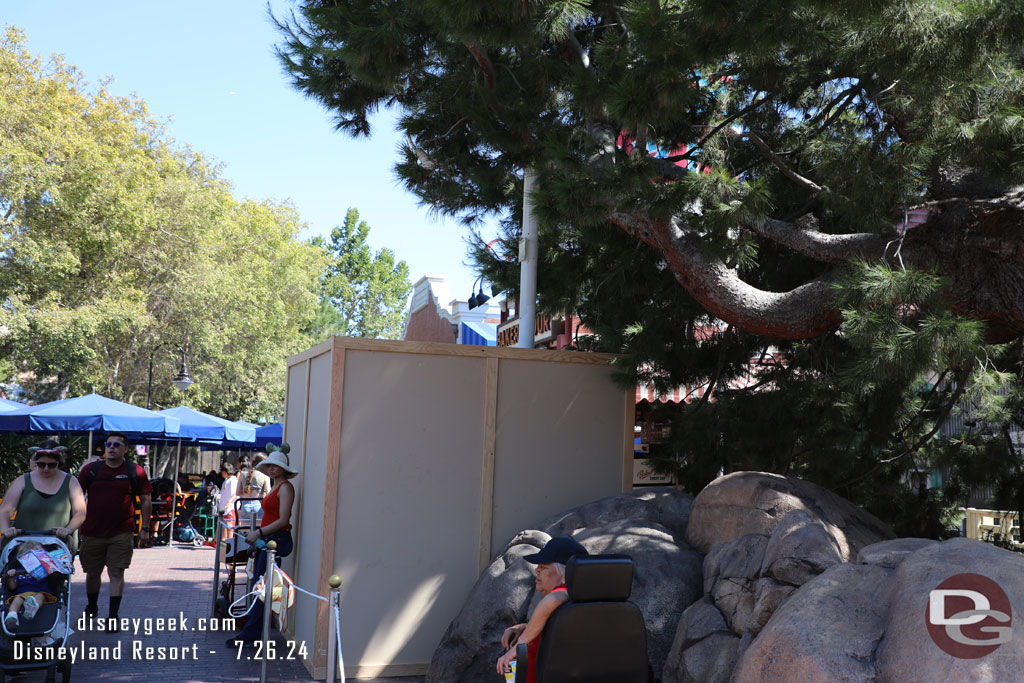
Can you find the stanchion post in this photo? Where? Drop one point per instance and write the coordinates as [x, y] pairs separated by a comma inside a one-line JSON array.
[[333, 606], [252, 579], [268, 606], [217, 536]]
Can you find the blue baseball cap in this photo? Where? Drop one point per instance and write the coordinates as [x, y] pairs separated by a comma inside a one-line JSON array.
[[558, 549]]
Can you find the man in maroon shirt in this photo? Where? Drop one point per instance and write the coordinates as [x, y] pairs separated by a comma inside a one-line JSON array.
[[107, 534]]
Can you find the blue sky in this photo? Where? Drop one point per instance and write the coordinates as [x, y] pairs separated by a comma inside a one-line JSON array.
[[208, 70]]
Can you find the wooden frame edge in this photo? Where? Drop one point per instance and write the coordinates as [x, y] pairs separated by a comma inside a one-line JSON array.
[[487, 468]]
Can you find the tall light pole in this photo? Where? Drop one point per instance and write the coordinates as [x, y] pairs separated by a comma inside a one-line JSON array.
[[182, 381], [528, 265]]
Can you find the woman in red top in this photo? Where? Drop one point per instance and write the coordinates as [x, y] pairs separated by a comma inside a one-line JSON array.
[[276, 526], [550, 582]]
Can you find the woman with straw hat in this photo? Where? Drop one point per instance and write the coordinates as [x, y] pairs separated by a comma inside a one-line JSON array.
[[275, 526]]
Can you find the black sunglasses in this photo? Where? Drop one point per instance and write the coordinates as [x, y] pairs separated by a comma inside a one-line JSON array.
[[113, 444], [48, 465]]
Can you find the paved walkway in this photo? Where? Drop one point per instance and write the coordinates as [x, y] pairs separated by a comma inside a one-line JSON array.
[[176, 584]]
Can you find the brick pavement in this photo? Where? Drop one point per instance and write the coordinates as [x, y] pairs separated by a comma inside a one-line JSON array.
[[172, 582]]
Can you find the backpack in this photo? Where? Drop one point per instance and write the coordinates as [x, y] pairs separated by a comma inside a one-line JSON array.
[[133, 476]]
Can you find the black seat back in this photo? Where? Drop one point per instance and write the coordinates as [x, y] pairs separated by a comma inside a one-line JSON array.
[[598, 636]]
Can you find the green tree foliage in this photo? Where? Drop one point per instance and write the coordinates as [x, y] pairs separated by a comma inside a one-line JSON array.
[[747, 162], [362, 294], [118, 246]]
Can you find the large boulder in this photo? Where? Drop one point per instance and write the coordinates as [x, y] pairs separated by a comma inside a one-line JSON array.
[[756, 502], [907, 653], [706, 652], [648, 525], [764, 536], [800, 547], [891, 553], [661, 505], [826, 631], [867, 622]]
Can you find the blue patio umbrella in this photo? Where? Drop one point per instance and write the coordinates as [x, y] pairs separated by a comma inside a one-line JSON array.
[[271, 433], [203, 426], [8, 405], [89, 413]]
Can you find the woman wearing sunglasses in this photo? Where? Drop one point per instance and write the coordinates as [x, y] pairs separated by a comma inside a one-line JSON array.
[[46, 498]]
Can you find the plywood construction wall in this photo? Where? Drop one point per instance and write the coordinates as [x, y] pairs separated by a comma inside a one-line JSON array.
[[419, 462]]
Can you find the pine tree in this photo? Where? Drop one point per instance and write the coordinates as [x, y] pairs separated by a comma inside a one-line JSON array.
[[837, 182]]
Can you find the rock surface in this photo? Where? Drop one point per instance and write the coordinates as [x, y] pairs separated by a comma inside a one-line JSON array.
[[706, 652], [647, 524], [827, 631], [765, 536], [867, 622], [907, 652], [891, 553], [755, 502]]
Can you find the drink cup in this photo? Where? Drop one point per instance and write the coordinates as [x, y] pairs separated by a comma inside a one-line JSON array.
[[510, 675]]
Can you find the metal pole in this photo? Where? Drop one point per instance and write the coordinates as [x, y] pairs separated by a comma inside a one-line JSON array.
[[149, 385], [174, 495], [268, 594], [252, 579], [334, 660], [216, 560], [528, 265]]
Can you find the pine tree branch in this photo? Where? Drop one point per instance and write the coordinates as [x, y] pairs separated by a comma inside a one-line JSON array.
[[803, 312], [847, 96], [818, 245], [483, 60], [446, 133], [716, 376], [786, 170], [725, 122], [961, 386]]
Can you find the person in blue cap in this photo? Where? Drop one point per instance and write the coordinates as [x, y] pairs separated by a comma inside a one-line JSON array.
[[550, 582]]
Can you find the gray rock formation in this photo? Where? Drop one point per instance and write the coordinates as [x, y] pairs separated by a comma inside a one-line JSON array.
[[827, 631], [765, 536], [707, 651], [647, 524], [907, 653], [755, 502], [891, 553], [866, 622]]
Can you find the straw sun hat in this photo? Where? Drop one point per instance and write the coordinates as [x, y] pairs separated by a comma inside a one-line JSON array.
[[280, 458]]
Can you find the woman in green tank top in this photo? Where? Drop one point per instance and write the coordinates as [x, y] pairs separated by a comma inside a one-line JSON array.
[[46, 499]]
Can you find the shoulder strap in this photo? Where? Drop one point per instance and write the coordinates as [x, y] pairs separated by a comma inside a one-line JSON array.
[[133, 476], [90, 476]]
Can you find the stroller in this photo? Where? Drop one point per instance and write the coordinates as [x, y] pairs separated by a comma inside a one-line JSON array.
[[48, 631], [184, 530]]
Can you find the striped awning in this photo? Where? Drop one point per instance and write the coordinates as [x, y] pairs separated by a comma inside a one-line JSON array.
[[686, 393], [479, 334]]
